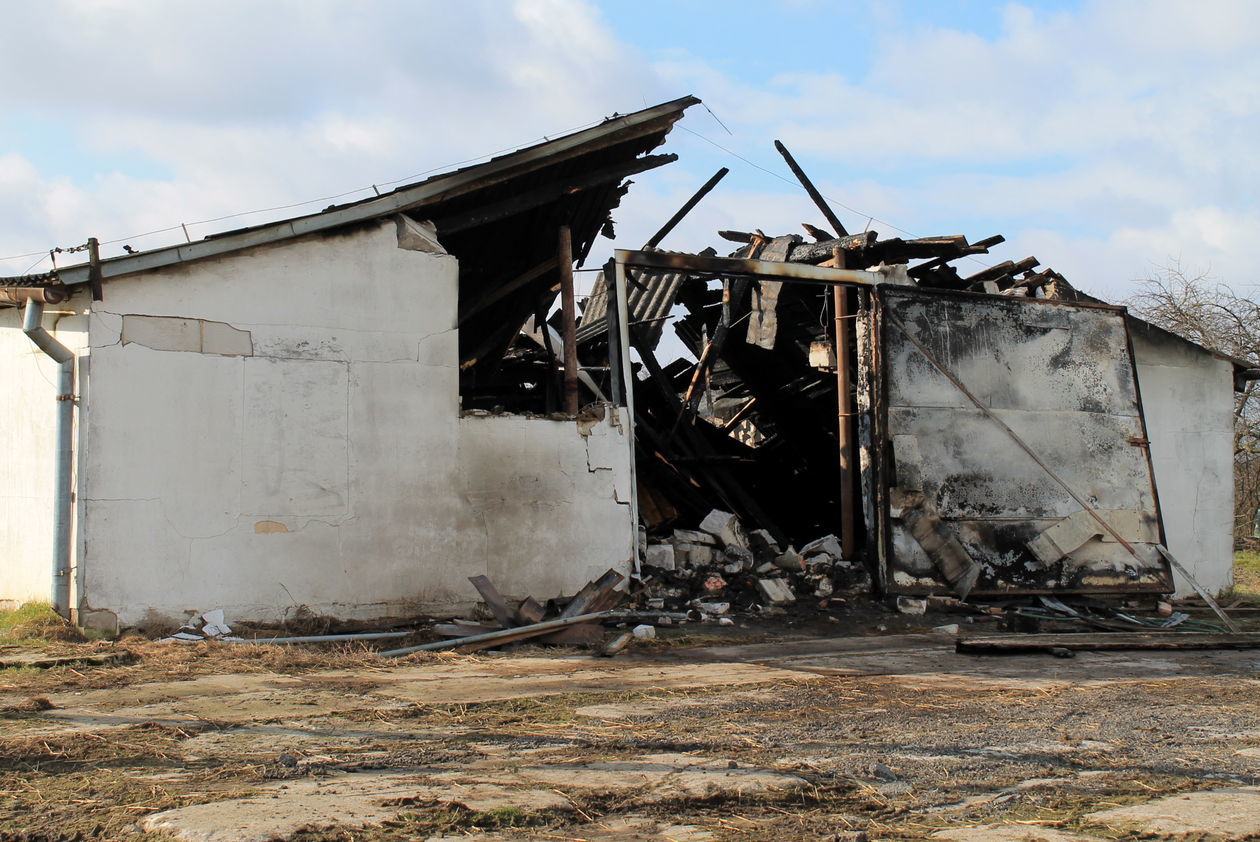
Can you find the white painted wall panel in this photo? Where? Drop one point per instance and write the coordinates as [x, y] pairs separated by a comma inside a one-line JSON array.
[[295, 452], [1187, 397], [28, 411], [549, 507], [329, 470]]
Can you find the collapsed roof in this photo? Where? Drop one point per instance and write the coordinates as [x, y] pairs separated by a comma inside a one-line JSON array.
[[499, 218]]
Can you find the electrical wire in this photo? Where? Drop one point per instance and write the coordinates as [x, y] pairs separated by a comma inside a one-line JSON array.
[[372, 187]]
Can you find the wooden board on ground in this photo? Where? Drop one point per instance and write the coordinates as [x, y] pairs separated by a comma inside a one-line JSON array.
[[1096, 641]]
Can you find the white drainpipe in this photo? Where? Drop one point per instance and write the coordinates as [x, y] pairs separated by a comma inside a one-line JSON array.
[[33, 327]]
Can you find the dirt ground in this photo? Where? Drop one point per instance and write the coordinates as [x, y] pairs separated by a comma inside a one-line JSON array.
[[887, 737]]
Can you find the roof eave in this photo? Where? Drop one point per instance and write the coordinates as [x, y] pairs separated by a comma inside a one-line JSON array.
[[403, 199]]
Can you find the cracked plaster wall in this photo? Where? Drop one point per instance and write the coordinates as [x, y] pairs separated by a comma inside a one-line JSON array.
[[557, 498], [1187, 398], [324, 463], [335, 428], [27, 427]]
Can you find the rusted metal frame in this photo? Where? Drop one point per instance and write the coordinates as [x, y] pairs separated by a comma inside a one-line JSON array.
[[507, 289], [850, 499], [726, 267], [817, 198], [870, 365], [1145, 443], [1107, 527], [685, 209], [568, 318], [620, 318], [615, 361]]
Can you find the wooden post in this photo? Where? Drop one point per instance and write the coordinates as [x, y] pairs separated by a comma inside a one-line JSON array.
[[847, 435], [94, 268], [568, 314]]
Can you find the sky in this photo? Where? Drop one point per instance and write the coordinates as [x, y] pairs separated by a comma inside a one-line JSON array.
[[1108, 139]]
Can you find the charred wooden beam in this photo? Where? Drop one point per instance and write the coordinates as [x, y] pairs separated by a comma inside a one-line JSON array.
[[685, 209], [820, 251], [814, 195], [818, 234], [1007, 267], [979, 247]]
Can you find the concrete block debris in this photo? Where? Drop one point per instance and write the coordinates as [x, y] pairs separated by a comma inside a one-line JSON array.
[[911, 605], [776, 591], [725, 527]]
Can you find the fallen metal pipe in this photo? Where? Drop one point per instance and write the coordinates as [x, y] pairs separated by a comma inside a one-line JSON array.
[[33, 327], [320, 638], [506, 635]]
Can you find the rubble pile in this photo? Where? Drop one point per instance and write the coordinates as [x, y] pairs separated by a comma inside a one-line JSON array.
[[720, 568]]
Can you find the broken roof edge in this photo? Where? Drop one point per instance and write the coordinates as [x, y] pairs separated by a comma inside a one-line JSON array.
[[406, 198]]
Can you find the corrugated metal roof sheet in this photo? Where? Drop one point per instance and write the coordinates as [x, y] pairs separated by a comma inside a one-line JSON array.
[[649, 300]]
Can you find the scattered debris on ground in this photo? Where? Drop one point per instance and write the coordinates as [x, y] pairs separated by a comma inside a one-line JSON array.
[[882, 738]]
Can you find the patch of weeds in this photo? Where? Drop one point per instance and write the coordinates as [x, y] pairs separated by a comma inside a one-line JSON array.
[[36, 622], [1247, 575]]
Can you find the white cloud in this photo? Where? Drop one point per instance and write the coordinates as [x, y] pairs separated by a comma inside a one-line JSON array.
[[1105, 140], [239, 105], [1123, 132]]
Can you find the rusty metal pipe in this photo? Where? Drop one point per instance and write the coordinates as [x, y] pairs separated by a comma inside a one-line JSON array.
[[33, 327], [51, 294], [847, 436]]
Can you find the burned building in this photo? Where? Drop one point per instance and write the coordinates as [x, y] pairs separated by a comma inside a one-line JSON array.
[[353, 411]]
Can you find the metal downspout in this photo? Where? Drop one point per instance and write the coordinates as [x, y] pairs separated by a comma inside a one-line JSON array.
[[33, 327]]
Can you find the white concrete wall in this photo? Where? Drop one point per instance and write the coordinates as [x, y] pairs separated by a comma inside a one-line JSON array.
[[28, 411], [549, 500], [287, 433], [1187, 398]]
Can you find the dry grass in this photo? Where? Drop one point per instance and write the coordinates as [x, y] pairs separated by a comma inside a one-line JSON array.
[[157, 661], [36, 622]]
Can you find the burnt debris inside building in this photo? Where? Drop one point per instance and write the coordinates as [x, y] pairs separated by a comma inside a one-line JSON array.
[[949, 425]]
